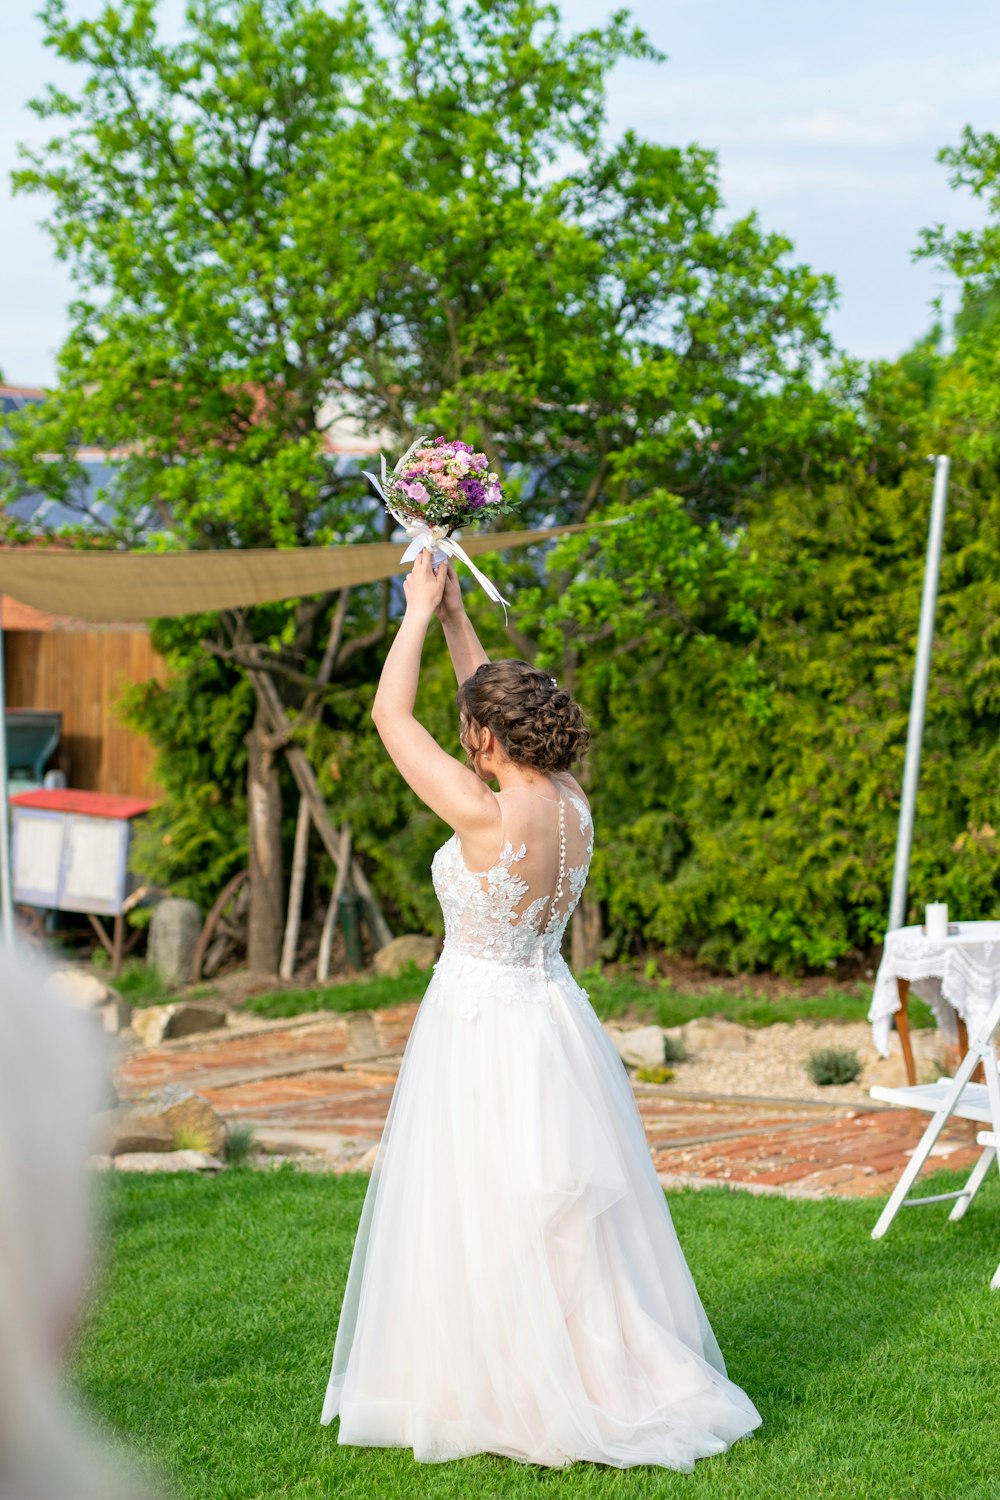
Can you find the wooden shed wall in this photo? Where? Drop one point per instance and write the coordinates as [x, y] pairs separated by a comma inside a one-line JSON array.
[[82, 673]]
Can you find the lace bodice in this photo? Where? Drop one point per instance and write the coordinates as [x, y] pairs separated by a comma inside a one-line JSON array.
[[515, 913]]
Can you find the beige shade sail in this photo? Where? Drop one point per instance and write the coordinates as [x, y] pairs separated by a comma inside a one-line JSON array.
[[154, 585]]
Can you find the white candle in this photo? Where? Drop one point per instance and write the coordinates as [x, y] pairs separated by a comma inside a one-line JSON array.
[[936, 919]]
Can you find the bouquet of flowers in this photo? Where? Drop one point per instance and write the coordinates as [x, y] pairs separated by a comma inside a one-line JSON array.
[[435, 488]]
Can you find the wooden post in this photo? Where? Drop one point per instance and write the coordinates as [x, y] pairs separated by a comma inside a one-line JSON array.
[[295, 892], [266, 882], [305, 779], [330, 920]]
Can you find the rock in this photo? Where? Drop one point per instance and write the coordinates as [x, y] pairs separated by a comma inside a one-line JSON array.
[[366, 1163], [160, 1023], [411, 948], [890, 1072], [81, 990], [122, 1130], [707, 1034], [173, 937], [115, 1014], [150, 1023], [638, 1046], [188, 1118], [168, 1161], [190, 1016]]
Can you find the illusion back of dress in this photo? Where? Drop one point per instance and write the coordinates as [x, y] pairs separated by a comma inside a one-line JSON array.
[[516, 911]]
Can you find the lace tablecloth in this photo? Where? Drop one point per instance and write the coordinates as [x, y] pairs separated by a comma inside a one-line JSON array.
[[956, 975]]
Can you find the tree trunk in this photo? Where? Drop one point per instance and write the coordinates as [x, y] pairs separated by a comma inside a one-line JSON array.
[[266, 878], [586, 932]]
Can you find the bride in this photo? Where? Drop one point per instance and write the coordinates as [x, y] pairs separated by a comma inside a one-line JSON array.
[[516, 1285]]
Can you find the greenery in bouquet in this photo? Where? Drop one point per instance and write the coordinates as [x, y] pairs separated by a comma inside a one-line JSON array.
[[445, 484]]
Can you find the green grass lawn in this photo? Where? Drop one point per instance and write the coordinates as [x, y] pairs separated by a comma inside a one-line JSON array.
[[875, 1366]]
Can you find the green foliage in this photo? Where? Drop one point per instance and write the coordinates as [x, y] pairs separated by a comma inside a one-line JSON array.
[[659, 1074], [751, 690], [415, 212], [829, 1065], [241, 1145], [673, 1049], [190, 1138], [585, 312], [358, 994]]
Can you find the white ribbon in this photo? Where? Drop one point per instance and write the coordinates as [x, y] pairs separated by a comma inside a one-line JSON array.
[[436, 541]]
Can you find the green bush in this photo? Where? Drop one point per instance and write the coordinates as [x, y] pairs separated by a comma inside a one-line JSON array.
[[828, 1065], [241, 1145], [654, 1075]]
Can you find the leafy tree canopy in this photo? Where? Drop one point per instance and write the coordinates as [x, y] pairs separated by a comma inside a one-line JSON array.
[[410, 211]]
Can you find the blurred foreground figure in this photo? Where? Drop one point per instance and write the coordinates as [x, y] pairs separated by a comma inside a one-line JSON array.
[[53, 1079]]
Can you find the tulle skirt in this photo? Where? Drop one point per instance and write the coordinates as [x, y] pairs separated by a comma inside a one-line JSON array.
[[517, 1286]]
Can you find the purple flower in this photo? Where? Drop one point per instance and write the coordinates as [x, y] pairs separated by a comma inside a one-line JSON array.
[[473, 492]]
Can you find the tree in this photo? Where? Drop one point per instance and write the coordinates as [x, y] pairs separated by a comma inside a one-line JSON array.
[[753, 687], [421, 221]]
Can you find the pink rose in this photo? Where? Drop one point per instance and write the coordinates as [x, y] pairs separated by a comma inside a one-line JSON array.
[[436, 465]]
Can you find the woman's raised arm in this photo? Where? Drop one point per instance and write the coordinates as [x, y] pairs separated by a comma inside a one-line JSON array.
[[463, 643], [448, 788]]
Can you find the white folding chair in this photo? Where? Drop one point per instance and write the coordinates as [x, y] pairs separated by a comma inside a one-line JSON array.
[[991, 1140], [951, 1098]]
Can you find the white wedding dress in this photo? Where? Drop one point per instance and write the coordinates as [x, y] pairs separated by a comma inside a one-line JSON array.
[[517, 1286]]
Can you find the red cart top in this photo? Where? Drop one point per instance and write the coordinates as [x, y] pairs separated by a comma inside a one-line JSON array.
[[92, 804]]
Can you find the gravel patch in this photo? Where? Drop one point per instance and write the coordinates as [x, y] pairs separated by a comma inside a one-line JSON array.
[[771, 1061]]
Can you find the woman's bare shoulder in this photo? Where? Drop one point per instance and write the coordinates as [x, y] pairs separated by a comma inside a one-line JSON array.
[[572, 785]]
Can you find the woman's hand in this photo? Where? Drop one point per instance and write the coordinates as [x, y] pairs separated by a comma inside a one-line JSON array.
[[424, 586], [452, 605]]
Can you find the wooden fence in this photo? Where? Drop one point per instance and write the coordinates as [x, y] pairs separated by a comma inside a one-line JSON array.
[[82, 673]]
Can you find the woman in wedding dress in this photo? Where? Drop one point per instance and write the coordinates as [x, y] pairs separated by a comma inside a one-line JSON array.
[[516, 1286]]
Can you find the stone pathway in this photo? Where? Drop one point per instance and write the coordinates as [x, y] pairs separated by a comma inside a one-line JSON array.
[[321, 1085]]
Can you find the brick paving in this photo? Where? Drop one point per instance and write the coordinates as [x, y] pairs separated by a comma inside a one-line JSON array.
[[323, 1083]]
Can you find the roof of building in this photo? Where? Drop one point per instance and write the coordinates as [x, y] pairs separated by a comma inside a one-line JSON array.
[[95, 504]]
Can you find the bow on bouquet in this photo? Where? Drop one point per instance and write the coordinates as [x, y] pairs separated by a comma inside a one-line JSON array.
[[436, 487]]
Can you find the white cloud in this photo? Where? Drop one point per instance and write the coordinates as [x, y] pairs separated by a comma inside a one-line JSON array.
[[873, 125], [752, 180]]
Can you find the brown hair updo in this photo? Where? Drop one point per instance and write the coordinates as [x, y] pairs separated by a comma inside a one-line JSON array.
[[534, 719]]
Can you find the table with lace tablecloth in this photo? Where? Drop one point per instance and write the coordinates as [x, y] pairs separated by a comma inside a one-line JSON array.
[[958, 976]]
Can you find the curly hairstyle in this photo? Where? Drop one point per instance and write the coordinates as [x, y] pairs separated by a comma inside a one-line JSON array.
[[534, 719]]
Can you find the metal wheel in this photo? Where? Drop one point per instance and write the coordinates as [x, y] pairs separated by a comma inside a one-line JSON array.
[[224, 935]]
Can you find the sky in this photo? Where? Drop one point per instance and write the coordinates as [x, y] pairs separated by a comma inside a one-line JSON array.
[[826, 120]]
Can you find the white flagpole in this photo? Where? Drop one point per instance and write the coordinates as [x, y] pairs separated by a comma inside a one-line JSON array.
[[918, 701]]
